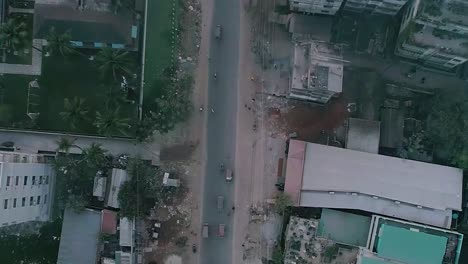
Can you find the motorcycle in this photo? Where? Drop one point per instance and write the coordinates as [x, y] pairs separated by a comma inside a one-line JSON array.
[[194, 248]]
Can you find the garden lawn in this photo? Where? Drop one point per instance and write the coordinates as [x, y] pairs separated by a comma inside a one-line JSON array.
[[158, 44], [67, 78], [13, 95]]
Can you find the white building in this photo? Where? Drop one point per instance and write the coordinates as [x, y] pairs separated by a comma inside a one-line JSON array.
[[435, 34], [329, 177], [317, 74], [26, 187], [327, 7], [385, 7]]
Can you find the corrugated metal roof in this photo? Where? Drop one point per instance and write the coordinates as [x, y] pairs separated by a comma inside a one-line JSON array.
[[341, 178], [80, 235], [126, 232], [117, 179], [363, 135]]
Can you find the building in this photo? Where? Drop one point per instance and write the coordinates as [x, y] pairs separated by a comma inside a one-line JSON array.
[[384, 7], [118, 177], [80, 237], [395, 241], [126, 230], [27, 183], [434, 34], [363, 135], [326, 7], [342, 237], [330, 177], [91, 23], [317, 74]]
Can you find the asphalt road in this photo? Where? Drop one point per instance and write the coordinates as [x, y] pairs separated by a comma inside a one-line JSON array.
[[221, 130]]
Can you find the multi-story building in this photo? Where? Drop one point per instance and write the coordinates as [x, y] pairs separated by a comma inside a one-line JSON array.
[[317, 75], [326, 7], [26, 183], [385, 7], [435, 34]]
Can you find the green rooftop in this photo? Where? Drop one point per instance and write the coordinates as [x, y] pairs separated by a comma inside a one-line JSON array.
[[345, 228], [366, 260], [409, 246]]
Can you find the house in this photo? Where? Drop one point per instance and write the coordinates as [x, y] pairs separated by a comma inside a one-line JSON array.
[[324, 7], [80, 237], [343, 237], [27, 187], [382, 7], [317, 73], [434, 35], [91, 23], [126, 231], [118, 177], [330, 177]]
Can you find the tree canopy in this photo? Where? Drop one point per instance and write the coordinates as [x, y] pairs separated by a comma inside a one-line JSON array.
[[447, 124], [75, 175], [142, 191]]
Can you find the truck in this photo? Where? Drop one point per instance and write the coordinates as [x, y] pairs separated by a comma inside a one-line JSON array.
[[221, 230], [220, 202], [205, 230]]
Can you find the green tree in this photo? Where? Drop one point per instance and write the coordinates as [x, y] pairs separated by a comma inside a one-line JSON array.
[[120, 4], [447, 124], [95, 155], [59, 44], [114, 63], [278, 255], [65, 144], [282, 202], [142, 191], [174, 105], [74, 112], [110, 122], [75, 175], [13, 34]]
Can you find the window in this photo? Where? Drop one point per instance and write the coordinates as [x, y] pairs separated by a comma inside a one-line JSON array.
[[40, 180], [46, 180], [5, 204], [38, 200], [17, 180], [14, 203], [31, 200], [25, 182], [45, 199], [8, 181], [23, 201], [33, 180]]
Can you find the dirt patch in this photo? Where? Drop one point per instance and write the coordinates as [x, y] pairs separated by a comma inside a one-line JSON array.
[[309, 121], [178, 152]]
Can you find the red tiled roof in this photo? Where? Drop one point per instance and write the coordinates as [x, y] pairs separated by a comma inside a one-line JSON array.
[[109, 222]]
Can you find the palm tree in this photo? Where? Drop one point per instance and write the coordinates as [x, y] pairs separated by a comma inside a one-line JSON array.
[[13, 34], [110, 122], [65, 144], [60, 43], [119, 4], [114, 62], [75, 111], [95, 154]]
